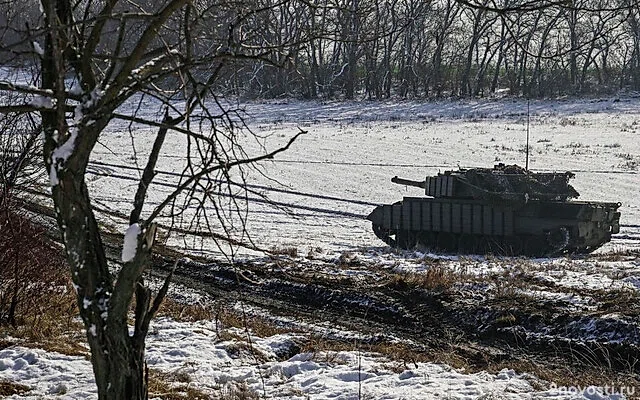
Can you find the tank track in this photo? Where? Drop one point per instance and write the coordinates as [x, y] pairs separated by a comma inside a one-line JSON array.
[[553, 243]]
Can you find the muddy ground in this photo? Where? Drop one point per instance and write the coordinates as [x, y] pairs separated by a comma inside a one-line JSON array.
[[515, 318], [485, 323]]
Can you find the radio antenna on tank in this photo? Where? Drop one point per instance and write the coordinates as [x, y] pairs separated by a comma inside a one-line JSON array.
[[526, 165]]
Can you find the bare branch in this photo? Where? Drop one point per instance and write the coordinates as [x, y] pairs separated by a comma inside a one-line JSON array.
[[193, 178]]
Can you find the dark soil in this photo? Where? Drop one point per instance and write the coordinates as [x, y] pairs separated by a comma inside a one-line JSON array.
[[482, 332]]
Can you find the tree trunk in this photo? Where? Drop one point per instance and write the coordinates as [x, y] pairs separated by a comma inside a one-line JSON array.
[[117, 357], [573, 41], [501, 52]]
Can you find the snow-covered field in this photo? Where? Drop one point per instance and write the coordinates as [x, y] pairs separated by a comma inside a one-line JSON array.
[[333, 176], [220, 366], [330, 179]]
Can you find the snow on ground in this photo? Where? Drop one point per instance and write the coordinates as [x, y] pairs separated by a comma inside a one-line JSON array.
[[331, 178], [49, 374], [560, 273], [334, 175], [216, 366]]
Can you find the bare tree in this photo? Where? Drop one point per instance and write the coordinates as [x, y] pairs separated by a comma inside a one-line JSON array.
[[92, 60]]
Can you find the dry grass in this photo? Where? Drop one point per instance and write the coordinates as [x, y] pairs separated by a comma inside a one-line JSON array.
[[402, 356], [436, 278], [283, 251], [238, 391], [178, 386], [74, 345], [314, 253], [34, 278], [184, 312], [257, 325], [33, 273], [567, 376], [326, 350], [49, 322], [348, 260], [12, 388], [616, 255], [173, 386], [241, 348], [53, 327], [623, 300]]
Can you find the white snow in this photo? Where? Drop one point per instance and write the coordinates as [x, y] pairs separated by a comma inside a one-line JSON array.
[[560, 273], [48, 374], [38, 49], [42, 102], [331, 179], [60, 155], [214, 364], [75, 88], [333, 176], [130, 242]]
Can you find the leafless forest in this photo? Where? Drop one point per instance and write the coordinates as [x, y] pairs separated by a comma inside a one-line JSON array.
[[401, 48], [141, 84]]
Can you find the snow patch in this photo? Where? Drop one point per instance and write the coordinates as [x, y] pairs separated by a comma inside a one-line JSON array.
[[61, 154], [130, 242], [38, 49], [42, 102], [48, 374], [196, 349], [634, 281]]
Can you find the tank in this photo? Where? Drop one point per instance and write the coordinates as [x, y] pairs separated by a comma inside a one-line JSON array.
[[504, 210]]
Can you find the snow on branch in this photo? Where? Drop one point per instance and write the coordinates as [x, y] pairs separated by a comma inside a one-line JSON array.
[[130, 244]]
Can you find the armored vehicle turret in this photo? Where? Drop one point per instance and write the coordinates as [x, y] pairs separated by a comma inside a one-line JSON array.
[[502, 210]]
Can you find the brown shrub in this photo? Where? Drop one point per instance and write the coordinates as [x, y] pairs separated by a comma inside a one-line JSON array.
[[33, 279], [257, 325], [11, 388], [186, 312], [275, 251], [436, 278], [173, 386]]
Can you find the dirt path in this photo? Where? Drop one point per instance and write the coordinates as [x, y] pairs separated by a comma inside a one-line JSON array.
[[445, 324], [471, 325]]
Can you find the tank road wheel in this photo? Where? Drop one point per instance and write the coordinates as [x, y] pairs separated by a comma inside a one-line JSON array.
[[402, 239], [467, 244], [383, 234], [535, 246], [412, 240], [427, 241], [558, 240], [512, 246], [583, 250], [446, 241], [488, 245]]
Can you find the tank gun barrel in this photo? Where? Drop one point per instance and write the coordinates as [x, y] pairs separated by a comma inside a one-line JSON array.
[[409, 182]]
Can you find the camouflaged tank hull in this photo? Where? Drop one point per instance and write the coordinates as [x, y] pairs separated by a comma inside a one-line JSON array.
[[472, 226]]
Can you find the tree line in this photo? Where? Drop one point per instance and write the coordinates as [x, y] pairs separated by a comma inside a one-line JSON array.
[[421, 49], [370, 49], [70, 70]]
